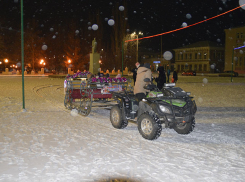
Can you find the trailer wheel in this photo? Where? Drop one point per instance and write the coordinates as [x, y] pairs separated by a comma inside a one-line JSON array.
[[149, 126], [117, 119], [85, 106]]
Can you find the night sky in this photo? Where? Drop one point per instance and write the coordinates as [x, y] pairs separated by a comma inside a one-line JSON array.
[[149, 16]]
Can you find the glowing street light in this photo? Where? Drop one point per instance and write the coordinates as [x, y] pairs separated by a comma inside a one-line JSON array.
[[69, 61], [137, 43], [42, 62], [6, 61]]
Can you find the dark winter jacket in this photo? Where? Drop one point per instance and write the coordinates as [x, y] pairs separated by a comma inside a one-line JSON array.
[[161, 79], [134, 71], [175, 76]]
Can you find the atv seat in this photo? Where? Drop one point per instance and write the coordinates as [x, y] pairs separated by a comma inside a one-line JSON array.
[[150, 87]]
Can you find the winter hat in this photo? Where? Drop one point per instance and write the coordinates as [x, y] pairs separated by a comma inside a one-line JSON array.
[[147, 65], [160, 69]]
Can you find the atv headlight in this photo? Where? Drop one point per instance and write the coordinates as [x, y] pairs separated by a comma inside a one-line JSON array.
[[165, 109]]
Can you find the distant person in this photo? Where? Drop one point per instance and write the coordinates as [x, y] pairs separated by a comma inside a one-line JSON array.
[[100, 74], [175, 76], [161, 79], [142, 73], [137, 65], [168, 74]]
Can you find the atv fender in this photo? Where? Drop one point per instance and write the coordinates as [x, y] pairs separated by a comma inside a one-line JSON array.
[[156, 109], [143, 107]]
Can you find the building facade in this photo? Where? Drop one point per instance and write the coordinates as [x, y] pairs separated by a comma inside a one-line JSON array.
[[203, 56], [156, 60], [235, 58]]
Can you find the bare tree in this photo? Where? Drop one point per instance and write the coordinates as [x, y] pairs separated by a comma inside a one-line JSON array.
[[118, 34], [32, 44]]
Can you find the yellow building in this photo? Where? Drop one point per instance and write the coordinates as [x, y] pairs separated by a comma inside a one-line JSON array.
[[203, 56], [234, 38]]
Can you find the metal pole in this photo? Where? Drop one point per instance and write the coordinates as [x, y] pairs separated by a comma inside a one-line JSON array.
[[22, 53], [232, 63], [137, 49], [122, 56], [161, 47]]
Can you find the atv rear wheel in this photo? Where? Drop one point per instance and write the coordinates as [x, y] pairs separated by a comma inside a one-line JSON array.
[[117, 119], [185, 128], [149, 126]]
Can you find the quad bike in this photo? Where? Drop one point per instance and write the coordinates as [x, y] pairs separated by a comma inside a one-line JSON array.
[[170, 106]]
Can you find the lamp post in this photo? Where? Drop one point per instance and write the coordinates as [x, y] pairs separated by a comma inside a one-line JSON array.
[[42, 63], [69, 66], [232, 63], [137, 44], [6, 61]]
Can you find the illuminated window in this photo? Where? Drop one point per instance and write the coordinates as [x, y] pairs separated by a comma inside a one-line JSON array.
[[205, 55]]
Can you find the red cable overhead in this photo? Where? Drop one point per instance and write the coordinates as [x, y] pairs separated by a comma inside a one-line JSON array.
[[186, 26]]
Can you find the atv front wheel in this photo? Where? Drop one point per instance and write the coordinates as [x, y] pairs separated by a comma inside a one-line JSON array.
[[149, 126], [185, 128], [116, 118]]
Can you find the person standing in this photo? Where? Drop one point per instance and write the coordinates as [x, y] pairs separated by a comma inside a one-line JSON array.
[[137, 65], [168, 74], [142, 73], [175, 76], [161, 79]]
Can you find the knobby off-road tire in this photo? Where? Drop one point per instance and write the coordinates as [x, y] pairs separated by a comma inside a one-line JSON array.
[[117, 119], [149, 126], [185, 128]]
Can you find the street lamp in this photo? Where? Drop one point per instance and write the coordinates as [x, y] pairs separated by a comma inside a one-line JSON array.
[[137, 44], [42, 62], [6, 61]]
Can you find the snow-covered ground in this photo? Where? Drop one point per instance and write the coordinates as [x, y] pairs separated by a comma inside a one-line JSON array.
[[49, 143]]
